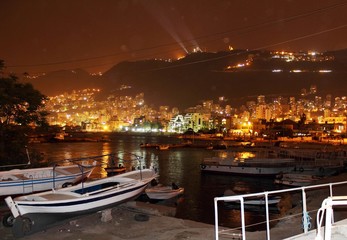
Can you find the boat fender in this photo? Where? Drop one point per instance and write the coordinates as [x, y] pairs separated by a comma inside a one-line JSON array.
[[203, 166], [66, 184], [301, 169]]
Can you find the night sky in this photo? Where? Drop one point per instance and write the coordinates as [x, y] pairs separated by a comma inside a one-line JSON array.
[[46, 35]]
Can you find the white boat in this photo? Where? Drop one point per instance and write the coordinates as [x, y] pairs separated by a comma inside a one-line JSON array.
[[160, 192], [317, 163], [24, 181], [272, 200], [114, 170], [251, 166], [296, 179], [253, 203], [33, 211], [271, 164]]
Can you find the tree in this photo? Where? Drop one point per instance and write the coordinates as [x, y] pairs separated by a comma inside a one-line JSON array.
[[21, 106], [20, 103]]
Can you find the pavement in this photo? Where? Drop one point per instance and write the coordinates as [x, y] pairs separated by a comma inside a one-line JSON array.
[[132, 220]]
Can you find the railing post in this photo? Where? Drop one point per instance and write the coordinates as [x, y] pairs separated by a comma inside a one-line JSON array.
[[216, 234], [328, 219], [267, 215], [331, 195], [304, 211], [243, 218], [54, 166]]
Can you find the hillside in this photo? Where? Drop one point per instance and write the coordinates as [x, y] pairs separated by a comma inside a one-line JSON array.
[[201, 76]]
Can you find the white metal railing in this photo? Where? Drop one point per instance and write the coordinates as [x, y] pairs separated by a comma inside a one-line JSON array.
[[241, 198], [327, 207]]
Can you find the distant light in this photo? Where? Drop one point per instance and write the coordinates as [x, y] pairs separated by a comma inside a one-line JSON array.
[[197, 49], [277, 70], [325, 71]]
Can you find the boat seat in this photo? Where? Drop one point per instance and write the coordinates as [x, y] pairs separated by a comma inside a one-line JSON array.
[[34, 198], [62, 171], [60, 196], [21, 177]]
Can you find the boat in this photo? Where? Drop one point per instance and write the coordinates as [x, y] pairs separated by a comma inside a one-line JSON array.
[[115, 170], [24, 181], [250, 166], [163, 146], [148, 145], [252, 203], [319, 163], [272, 164], [296, 179], [160, 192], [272, 200], [217, 147], [34, 211]]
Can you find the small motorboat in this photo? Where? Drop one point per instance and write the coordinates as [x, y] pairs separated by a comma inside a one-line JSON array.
[[253, 203], [33, 212], [115, 170], [163, 146], [160, 192], [296, 179]]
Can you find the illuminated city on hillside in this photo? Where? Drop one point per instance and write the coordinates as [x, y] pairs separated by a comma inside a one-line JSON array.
[[130, 113]]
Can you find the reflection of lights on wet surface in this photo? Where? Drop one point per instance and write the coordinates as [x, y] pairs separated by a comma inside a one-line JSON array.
[[254, 220], [246, 155]]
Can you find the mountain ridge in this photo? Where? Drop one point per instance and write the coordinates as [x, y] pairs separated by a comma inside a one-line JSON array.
[[204, 76]]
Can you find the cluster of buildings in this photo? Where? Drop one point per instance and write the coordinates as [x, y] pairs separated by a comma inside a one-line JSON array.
[[308, 114]]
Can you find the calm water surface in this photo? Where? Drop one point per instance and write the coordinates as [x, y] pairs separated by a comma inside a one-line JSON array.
[[179, 165]]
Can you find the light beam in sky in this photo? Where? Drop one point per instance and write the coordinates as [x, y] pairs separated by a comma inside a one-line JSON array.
[[163, 19]]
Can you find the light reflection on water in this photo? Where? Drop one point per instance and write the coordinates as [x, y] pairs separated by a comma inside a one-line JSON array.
[[179, 165]]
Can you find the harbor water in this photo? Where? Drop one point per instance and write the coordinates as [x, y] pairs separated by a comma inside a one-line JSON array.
[[178, 165]]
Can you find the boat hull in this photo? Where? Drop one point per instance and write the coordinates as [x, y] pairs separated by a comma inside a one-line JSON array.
[[78, 206], [249, 171], [266, 167], [35, 222]]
